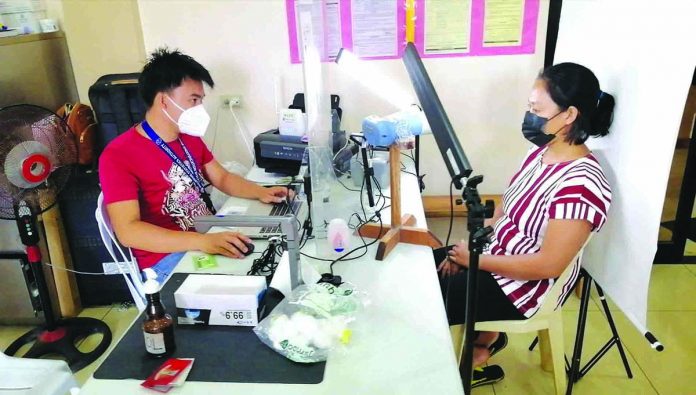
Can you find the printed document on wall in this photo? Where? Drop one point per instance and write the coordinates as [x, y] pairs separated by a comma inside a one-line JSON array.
[[374, 25], [332, 17], [325, 28], [502, 24], [447, 26]]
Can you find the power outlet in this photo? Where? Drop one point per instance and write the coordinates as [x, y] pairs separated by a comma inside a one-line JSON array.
[[230, 100]]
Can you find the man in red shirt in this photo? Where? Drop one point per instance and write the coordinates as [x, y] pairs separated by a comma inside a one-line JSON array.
[[155, 176]]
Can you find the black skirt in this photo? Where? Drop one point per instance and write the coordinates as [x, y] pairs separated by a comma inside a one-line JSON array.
[[491, 304]]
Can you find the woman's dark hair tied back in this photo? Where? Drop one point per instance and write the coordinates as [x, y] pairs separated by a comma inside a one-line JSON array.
[[571, 84], [603, 115]]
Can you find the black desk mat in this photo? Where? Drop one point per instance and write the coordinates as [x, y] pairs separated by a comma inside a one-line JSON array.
[[222, 353]]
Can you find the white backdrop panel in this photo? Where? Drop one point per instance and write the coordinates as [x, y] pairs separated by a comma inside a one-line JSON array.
[[642, 53]]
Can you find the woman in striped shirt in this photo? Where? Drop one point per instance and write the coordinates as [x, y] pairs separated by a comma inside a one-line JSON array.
[[556, 199]]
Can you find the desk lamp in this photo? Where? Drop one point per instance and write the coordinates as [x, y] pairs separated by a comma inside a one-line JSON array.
[[459, 169]]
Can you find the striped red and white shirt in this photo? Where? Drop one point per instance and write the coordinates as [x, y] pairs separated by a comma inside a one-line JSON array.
[[538, 192]]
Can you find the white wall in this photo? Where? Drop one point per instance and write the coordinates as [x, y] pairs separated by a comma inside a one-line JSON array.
[[244, 44], [104, 37]]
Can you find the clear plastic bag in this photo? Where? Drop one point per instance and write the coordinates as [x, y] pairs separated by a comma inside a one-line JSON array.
[[312, 321]]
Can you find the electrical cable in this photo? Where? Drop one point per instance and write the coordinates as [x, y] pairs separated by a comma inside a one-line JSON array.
[[343, 258], [339, 151], [447, 288], [78, 272], [420, 177], [333, 160], [451, 221], [403, 170], [361, 222], [95, 273], [344, 185], [365, 245], [449, 233], [267, 263], [242, 131], [350, 220], [217, 117], [413, 159], [362, 205], [303, 241], [291, 203], [403, 167], [307, 226], [381, 195]]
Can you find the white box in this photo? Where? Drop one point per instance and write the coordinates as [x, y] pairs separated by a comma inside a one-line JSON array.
[[218, 299], [292, 122]]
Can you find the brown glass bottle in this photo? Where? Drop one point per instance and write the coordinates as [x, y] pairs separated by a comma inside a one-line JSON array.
[[158, 328]]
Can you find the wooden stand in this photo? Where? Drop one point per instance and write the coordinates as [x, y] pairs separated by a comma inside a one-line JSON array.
[[59, 256], [402, 228], [67, 297]]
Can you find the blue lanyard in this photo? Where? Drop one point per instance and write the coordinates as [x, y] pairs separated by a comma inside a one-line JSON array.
[[192, 171]]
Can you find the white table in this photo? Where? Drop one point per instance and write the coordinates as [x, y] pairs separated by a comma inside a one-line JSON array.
[[401, 343], [28, 376]]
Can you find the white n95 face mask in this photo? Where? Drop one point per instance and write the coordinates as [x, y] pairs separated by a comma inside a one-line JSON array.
[[193, 121]]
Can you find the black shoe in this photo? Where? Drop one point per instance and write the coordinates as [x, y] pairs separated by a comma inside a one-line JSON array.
[[486, 375], [499, 343]]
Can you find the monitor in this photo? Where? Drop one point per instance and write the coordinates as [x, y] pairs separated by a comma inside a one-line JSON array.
[[452, 152]]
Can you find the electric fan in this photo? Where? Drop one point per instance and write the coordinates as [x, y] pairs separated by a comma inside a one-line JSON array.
[[37, 155]]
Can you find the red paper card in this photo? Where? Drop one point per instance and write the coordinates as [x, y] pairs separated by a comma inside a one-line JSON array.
[[164, 377]]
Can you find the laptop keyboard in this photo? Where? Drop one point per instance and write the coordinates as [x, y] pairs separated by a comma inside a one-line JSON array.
[[280, 210]]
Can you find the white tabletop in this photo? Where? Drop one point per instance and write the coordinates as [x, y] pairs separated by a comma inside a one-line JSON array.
[[401, 343]]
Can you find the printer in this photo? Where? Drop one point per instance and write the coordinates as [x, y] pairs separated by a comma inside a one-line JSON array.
[[277, 153], [284, 154]]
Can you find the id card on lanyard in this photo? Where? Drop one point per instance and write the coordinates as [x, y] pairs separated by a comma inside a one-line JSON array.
[[191, 170]]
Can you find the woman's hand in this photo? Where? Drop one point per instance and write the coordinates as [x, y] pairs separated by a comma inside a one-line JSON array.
[[448, 268], [459, 254]]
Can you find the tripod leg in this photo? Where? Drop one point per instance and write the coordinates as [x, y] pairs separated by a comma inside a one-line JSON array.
[[580, 333], [614, 332], [466, 365]]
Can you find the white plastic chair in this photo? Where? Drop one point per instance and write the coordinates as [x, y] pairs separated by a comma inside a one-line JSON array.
[[27, 376], [132, 273], [548, 321]]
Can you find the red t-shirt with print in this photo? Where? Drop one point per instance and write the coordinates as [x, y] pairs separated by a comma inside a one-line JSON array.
[[132, 167]]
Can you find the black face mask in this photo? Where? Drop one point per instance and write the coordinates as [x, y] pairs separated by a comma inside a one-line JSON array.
[[533, 129]]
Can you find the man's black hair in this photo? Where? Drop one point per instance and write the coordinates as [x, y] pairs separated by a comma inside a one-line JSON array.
[[165, 70]]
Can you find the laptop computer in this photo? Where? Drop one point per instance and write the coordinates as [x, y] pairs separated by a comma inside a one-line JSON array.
[[249, 207]]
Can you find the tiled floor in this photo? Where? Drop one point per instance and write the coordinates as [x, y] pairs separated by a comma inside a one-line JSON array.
[[690, 248], [117, 317], [671, 317]]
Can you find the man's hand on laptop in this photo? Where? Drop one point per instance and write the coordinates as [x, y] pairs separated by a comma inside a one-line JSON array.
[[229, 244], [274, 194]]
